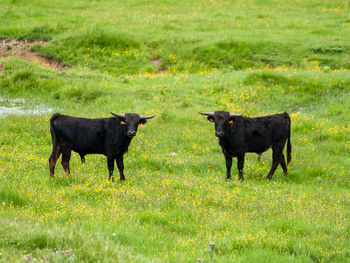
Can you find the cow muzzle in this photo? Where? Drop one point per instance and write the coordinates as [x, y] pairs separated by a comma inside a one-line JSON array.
[[131, 133], [219, 134]]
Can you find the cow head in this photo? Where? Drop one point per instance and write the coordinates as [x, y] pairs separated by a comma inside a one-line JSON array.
[[131, 121], [222, 119]]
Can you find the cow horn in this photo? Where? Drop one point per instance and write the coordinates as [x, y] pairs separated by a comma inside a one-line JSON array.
[[118, 115], [147, 117], [235, 114], [207, 113]]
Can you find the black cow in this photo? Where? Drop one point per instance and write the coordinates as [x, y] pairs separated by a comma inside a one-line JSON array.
[[239, 135], [108, 136]]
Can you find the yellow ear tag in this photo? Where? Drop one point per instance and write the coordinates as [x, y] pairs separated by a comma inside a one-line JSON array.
[[122, 122], [230, 122], [211, 120]]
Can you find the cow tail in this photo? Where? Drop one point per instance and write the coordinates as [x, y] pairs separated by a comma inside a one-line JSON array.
[[289, 146], [53, 132]]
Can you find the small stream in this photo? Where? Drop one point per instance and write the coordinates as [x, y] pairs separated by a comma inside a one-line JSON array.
[[20, 106]]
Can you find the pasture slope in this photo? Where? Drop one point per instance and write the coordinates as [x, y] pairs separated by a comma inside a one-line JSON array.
[[174, 59]]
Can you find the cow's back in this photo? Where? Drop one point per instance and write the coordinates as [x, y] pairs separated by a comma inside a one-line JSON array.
[[263, 132], [257, 134], [85, 135]]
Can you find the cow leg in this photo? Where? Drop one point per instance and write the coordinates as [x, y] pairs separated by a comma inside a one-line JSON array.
[[110, 164], [82, 157], [228, 166], [120, 164], [276, 159], [240, 165], [65, 161], [259, 157], [283, 164], [53, 160]]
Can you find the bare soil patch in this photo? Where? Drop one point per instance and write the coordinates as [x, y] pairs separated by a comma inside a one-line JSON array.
[[157, 63], [12, 48]]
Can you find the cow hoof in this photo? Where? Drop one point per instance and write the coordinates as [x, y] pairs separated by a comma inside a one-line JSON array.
[[228, 179]]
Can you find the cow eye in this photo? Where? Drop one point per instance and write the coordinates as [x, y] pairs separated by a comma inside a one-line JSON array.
[[122, 122], [230, 122]]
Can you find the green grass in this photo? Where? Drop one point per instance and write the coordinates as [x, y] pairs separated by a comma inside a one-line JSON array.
[[121, 37], [249, 57]]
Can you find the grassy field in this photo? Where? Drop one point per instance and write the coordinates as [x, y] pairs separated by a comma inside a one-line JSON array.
[[174, 59]]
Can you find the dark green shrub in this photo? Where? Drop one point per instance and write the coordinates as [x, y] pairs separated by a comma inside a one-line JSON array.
[[25, 80], [116, 53], [241, 54], [77, 93], [44, 32]]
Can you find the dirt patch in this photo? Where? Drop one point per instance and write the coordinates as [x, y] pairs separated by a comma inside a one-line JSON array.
[[2, 68], [12, 48], [157, 62]]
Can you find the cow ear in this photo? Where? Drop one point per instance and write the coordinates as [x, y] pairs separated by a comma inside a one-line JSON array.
[[233, 119], [142, 121], [121, 120], [210, 118]]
